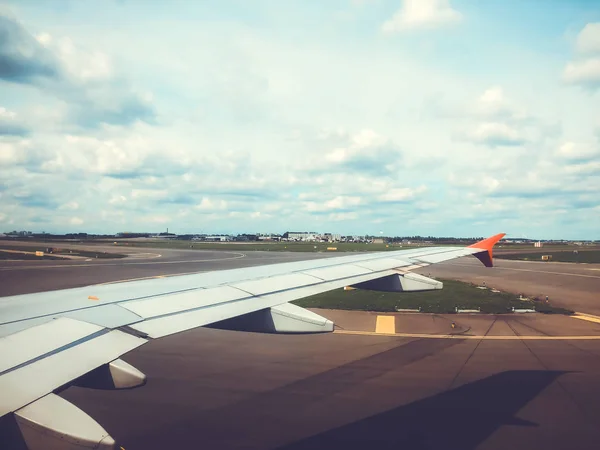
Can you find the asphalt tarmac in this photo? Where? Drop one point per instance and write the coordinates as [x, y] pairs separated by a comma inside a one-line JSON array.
[[519, 382], [20, 277]]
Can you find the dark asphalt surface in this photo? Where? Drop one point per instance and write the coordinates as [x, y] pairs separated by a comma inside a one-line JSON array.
[[217, 389], [20, 277], [228, 390]]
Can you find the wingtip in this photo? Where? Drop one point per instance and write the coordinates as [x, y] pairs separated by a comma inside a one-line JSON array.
[[486, 246]]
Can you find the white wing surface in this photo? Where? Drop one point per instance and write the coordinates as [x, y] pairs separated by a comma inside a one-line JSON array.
[[51, 340]]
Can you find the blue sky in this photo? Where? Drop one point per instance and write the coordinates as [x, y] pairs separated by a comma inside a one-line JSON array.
[[427, 117]]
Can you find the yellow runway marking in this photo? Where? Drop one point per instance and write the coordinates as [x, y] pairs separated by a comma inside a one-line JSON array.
[[588, 317], [5, 250], [131, 279], [465, 336], [385, 325]]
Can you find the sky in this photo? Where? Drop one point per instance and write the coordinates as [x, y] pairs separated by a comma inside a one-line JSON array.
[[399, 117]]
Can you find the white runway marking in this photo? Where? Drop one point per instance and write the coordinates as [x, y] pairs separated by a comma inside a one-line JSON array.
[[536, 271], [143, 255]]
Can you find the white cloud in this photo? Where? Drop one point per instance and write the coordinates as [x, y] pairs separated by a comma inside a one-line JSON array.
[[76, 221], [496, 134], [367, 138], [117, 199], [578, 152], [588, 39], [44, 38], [493, 103], [361, 143], [72, 206], [10, 125], [14, 152], [8, 154], [400, 194], [417, 14], [83, 78], [247, 124], [6, 114], [338, 217], [364, 151], [586, 168], [82, 65], [148, 194], [586, 72], [159, 219], [211, 205], [341, 202], [140, 152], [363, 2]]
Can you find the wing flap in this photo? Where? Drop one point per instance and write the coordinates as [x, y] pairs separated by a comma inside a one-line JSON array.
[[336, 272], [39, 376], [184, 301], [441, 256], [175, 323], [381, 264], [277, 283], [53, 423], [106, 316], [34, 342]]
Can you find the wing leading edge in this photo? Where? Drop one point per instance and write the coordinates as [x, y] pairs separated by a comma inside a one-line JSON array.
[[64, 336]]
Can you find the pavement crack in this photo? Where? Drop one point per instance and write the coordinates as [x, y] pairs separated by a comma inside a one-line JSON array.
[[462, 367], [561, 385]]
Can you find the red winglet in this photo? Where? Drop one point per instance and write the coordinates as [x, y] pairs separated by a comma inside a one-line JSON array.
[[485, 256]]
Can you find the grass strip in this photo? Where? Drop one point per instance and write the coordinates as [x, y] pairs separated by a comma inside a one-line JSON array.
[[455, 294]]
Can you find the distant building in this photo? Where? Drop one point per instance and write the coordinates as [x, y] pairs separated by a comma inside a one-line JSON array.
[[246, 237], [217, 238], [131, 234], [300, 235], [538, 244], [269, 237]]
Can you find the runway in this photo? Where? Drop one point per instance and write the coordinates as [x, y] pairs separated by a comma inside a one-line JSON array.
[[497, 389], [24, 277], [573, 286]]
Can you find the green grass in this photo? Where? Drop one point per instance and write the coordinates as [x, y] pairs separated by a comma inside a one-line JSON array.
[[264, 246], [582, 256], [454, 294]]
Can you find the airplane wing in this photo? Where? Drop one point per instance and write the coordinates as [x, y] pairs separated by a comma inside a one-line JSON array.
[[51, 340]]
